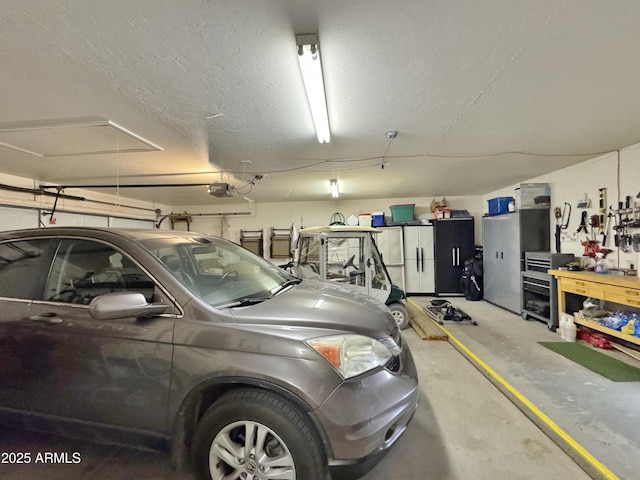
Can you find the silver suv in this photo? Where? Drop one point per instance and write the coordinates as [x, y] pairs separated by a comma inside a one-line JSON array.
[[190, 343]]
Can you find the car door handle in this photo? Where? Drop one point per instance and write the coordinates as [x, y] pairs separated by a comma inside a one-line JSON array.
[[51, 318]]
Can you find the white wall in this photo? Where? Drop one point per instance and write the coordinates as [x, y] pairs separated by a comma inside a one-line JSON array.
[[619, 174]]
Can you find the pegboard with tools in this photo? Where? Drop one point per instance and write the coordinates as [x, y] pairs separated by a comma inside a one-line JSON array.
[[597, 228], [625, 218]]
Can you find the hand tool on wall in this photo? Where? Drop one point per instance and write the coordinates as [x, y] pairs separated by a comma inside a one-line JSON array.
[[562, 222], [584, 202], [583, 223], [602, 202], [606, 229], [566, 216], [558, 214], [625, 238], [594, 223], [616, 226]]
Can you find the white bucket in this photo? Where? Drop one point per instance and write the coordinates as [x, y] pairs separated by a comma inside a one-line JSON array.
[[364, 219], [571, 330], [562, 328]]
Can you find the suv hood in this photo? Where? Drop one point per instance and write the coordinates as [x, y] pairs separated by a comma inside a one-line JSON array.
[[315, 304]]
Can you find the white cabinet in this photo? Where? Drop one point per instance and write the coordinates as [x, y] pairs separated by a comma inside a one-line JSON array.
[[390, 243], [419, 264]]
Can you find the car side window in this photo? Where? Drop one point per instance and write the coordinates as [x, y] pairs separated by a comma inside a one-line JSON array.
[[84, 269], [23, 268]]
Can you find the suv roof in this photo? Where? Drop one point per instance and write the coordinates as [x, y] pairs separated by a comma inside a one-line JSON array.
[[131, 233]]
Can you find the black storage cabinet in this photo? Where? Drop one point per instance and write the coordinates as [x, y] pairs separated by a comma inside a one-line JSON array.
[[454, 244]]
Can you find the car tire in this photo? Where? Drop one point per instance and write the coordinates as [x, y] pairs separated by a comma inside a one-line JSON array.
[[220, 446], [400, 314]]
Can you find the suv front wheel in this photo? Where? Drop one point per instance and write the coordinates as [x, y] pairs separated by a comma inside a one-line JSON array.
[[256, 435]]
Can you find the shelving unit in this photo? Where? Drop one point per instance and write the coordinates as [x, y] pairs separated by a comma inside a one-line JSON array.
[[612, 288]]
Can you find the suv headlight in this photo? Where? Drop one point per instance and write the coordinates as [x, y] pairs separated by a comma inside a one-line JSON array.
[[351, 355]]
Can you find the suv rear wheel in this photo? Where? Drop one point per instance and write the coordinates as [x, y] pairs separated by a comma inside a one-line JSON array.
[[255, 435]]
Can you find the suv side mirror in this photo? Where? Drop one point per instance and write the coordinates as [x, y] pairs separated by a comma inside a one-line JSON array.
[[123, 305]]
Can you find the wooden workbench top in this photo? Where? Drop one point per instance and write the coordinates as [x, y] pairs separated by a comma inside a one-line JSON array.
[[606, 279]]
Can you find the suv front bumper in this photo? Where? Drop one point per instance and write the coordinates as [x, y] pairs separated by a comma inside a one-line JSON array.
[[367, 414]]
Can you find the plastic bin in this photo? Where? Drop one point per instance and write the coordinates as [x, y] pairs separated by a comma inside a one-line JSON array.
[[402, 213], [377, 219], [499, 205], [364, 219]]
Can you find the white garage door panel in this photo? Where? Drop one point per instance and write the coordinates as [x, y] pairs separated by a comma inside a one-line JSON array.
[[77, 220], [130, 223], [15, 218]]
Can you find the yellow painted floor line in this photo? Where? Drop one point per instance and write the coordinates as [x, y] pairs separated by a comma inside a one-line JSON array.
[[576, 451]]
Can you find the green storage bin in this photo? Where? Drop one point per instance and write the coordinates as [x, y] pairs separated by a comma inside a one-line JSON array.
[[402, 213]]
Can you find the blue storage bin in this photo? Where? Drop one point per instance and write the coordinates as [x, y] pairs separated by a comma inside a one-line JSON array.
[[377, 219], [499, 205]]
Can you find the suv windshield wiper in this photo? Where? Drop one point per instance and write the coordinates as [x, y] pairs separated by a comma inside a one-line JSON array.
[[243, 302], [285, 285]]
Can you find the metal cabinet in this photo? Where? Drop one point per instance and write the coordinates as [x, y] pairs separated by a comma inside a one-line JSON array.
[[454, 244], [505, 238], [419, 262], [539, 289]]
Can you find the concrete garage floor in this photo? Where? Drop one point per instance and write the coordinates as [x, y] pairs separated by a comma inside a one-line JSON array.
[[464, 428], [599, 415]]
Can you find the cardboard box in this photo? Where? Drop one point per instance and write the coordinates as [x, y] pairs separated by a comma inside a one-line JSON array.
[[442, 212], [533, 195], [434, 203]]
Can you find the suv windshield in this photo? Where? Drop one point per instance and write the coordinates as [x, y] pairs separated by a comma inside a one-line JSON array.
[[219, 272]]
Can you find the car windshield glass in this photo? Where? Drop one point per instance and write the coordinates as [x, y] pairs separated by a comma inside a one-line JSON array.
[[219, 272]]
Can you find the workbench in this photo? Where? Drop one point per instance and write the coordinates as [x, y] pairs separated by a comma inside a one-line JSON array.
[[624, 290]]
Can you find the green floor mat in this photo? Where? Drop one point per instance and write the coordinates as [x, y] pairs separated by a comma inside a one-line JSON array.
[[609, 367]]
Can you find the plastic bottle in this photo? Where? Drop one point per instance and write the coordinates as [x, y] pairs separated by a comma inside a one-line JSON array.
[[571, 330], [563, 327], [601, 265]]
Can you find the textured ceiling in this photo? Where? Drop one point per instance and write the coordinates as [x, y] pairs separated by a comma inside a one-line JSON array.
[[483, 94]]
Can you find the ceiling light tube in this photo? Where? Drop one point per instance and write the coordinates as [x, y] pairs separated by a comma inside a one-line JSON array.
[[311, 68], [333, 186]]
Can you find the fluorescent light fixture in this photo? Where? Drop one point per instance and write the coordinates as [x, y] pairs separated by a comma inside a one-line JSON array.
[[333, 186], [311, 68]]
